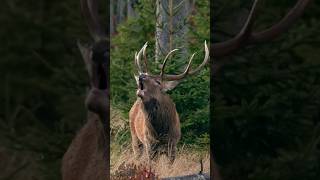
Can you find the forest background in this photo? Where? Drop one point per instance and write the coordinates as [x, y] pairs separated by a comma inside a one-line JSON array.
[[265, 113]]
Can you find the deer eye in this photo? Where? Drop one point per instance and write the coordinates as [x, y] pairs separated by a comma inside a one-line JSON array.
[[158, 82]]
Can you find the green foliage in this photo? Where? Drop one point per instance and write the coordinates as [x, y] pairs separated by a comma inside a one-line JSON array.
[[266, 108], [191, 96]]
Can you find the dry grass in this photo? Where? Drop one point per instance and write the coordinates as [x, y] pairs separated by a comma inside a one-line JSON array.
[[187, 162], [187, 159]]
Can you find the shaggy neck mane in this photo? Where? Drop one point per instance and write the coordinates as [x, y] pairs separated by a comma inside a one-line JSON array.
[[160, 114]]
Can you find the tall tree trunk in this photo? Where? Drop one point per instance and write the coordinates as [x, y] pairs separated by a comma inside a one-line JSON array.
[[130, 10], [171, 29], [120, 11], [112, 23]]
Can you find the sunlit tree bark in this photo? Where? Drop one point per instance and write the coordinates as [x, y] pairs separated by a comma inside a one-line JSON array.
[[171, 29]]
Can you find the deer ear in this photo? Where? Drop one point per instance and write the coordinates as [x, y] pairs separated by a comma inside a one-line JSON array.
[[169, 85]]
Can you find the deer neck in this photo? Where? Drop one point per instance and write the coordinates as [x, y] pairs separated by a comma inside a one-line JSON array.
[[160, 113]]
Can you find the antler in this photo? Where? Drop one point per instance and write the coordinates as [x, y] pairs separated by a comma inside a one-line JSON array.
[[137, 57], [165, 62], [89, 9], [246, 36], [187, 69], [166, 76]]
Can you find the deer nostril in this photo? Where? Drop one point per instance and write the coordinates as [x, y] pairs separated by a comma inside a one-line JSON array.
[[142, 78]]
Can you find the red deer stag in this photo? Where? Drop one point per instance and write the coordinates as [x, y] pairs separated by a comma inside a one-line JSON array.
[[245, 37], [154, 121], [87, 157]]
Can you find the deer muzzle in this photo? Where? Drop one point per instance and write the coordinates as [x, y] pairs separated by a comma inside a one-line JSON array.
[[97, 101], [141, 88]]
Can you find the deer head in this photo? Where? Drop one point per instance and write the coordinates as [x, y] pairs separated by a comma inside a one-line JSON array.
[[88, 154], [152, 86], [95, 56]]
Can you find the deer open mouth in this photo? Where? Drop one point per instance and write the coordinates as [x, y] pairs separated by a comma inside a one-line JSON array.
[[100, 59], [102, 76], [140, 91], [141, 85]]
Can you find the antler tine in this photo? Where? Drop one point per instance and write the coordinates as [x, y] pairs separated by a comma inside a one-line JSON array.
[[204, 62], [89, 9], [187, 69], [226, 47], [145, 57], [246, 36], [169, 77], [165, 62], [283, 25], [138, 57], [136, 62]]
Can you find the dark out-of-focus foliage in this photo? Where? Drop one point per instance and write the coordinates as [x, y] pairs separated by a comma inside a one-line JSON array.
[[43, 85], [191, 96], [267, 96]]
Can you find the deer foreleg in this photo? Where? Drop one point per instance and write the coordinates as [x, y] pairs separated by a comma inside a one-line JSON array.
[[136, 146], [171, 152]]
